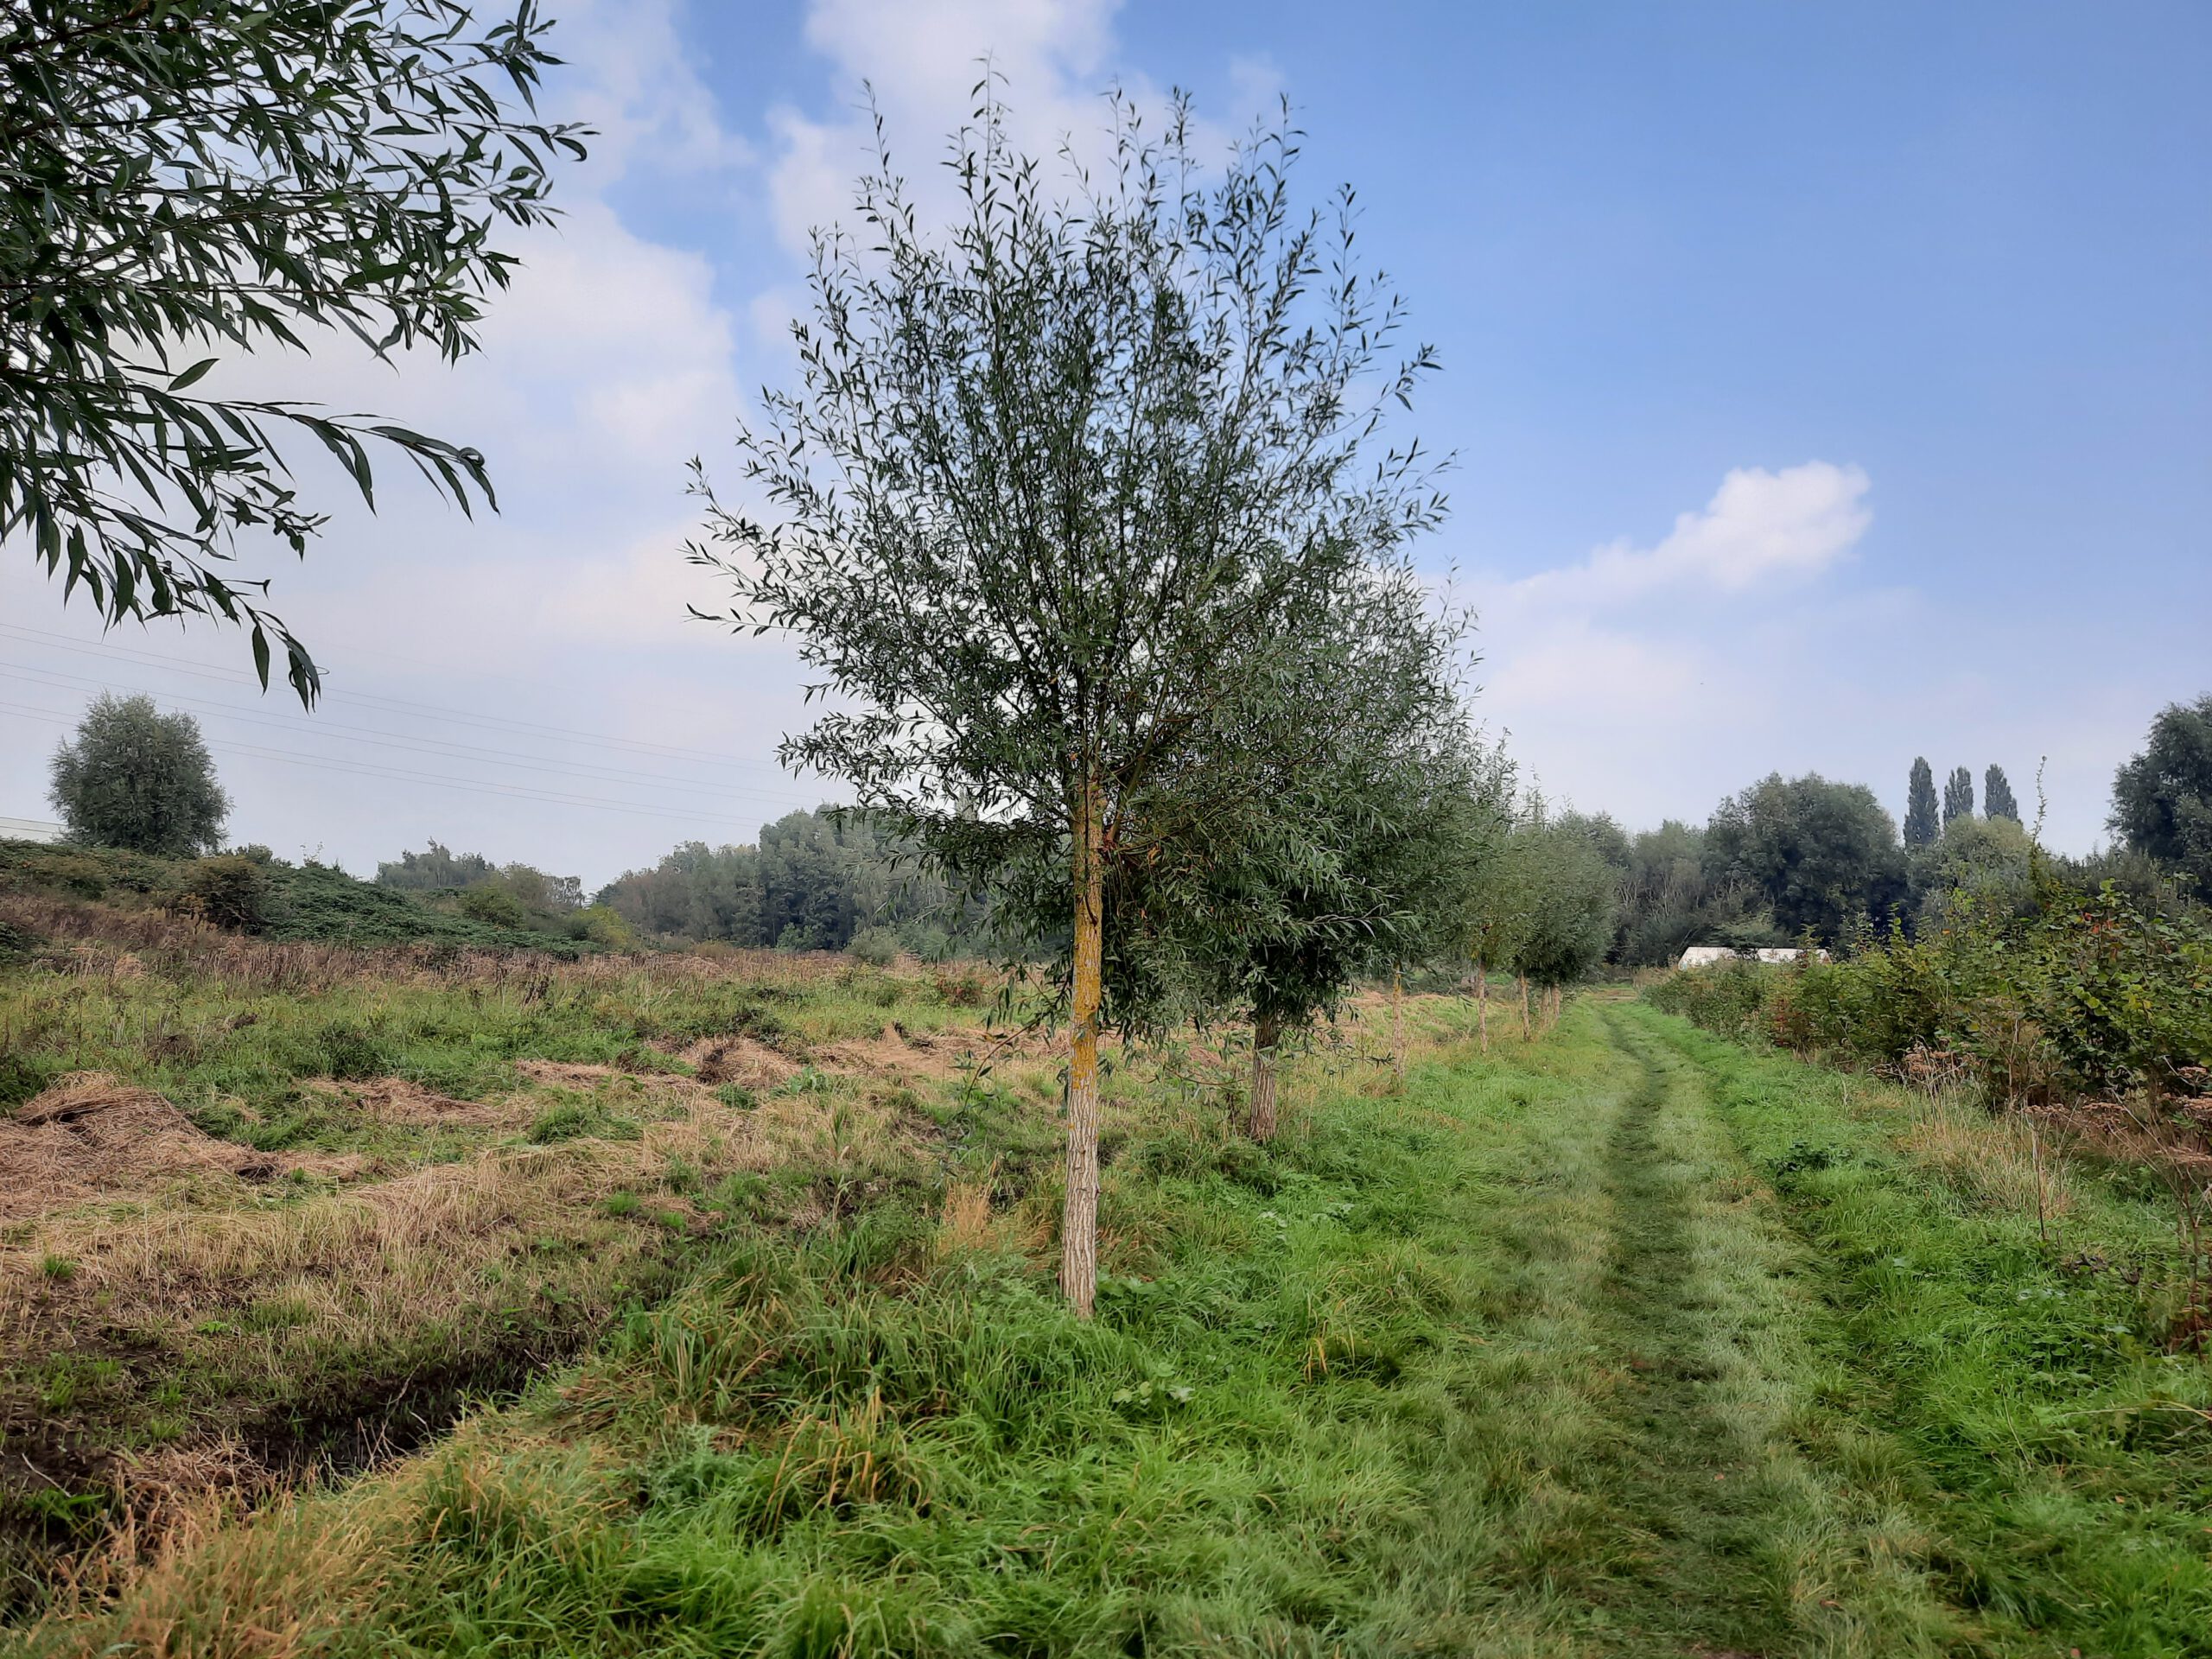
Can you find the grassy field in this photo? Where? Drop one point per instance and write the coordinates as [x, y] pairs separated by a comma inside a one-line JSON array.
[[1625, 1341]]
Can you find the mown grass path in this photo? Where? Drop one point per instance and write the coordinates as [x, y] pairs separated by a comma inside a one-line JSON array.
[[1626, 1343]]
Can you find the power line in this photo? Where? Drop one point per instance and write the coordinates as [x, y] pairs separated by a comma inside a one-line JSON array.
[[184, 665], [414, 743], [510, 791]]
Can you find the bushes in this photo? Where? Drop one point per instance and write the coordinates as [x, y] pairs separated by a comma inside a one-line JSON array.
[[493, 907], [230, 891], [2085, 996]]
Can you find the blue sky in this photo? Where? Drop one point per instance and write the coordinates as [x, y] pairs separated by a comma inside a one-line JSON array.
[[1830, 383]]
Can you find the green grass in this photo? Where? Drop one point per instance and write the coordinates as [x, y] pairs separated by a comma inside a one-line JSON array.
[[1627, 1343]]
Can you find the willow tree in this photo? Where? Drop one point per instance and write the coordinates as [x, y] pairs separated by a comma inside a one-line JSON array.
[[1337, 811], [199, 178], [1055, 479]]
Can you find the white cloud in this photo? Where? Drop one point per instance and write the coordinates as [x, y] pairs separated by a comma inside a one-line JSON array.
[[921, 61], [1636, 677], [1759, 527]]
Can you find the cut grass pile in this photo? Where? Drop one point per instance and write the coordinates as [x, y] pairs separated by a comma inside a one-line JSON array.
[[1625, 1342]]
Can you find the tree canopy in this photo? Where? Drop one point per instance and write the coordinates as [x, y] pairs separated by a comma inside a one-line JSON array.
[[1958, 796], [1997, 801], [203, 176], [1821, 854], [1922, 819], [135, 777], [1055, 487], [2162, 798]]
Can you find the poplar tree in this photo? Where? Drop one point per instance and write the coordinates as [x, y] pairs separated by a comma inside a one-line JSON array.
[[1997, 800], [1958, 796], [1053, 485], [1922, 824]]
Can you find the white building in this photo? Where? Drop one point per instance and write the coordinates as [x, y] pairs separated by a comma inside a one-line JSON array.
[[1706, 956], [29, 829]]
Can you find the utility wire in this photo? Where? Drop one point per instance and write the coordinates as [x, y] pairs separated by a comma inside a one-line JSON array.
[[184, 665], [57, 680], [510, 792]]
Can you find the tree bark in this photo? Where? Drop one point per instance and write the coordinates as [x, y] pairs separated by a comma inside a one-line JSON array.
[[1398, 1026], [1266, 1033], [1079, 1215], [1527, 1030], [1482, 1003]]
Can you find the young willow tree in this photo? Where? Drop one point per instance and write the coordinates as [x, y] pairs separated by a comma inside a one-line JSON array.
[[1325, 831], [198, 178], [1054, 486]]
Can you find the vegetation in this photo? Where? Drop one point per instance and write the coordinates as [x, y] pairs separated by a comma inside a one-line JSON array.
[[2162, 798], [1060, 492], [136, 778], [1958, 796], [1997, 800], [1822, 856], [1922, 821], [1623, 1341], [207, 174], [124, 896], [813, 882]]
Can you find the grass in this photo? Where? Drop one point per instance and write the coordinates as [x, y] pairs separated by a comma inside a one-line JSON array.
[[1624, 1342], [431, 1222]]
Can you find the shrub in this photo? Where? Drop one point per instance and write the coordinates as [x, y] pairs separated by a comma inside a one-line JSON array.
[[605, 925], [230, 891], [493, 907], [15, 943], [2086, 994], [876, 946]]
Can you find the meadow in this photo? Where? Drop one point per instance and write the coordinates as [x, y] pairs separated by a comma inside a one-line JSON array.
[[421, 1301]]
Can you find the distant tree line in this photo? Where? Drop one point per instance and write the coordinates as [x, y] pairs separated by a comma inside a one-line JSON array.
[[1789, 857], [818, 880]]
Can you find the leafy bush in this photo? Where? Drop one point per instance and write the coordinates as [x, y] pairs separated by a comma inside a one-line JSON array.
[[2085, 995], [230, 891], [876, 946], [492, 906], [15, 943]]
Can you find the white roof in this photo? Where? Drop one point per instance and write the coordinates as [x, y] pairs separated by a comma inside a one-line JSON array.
[[29, 829], [1704, 956]]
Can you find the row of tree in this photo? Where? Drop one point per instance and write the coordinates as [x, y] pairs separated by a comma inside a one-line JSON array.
[[1924, 825], [1791, 856], [821, 881]]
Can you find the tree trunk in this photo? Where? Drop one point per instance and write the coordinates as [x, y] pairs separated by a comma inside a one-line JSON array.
[[1398, 1026], [1528, 1031], [1482, 1003], [1266, 1032], [1079, 1216]]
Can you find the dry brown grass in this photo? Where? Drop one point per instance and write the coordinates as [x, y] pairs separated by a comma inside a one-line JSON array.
[[2002, 1159], [91, 1137], [966, 1224]]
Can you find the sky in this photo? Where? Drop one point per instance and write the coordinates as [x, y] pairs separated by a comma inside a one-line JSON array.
[[1828, 385]]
